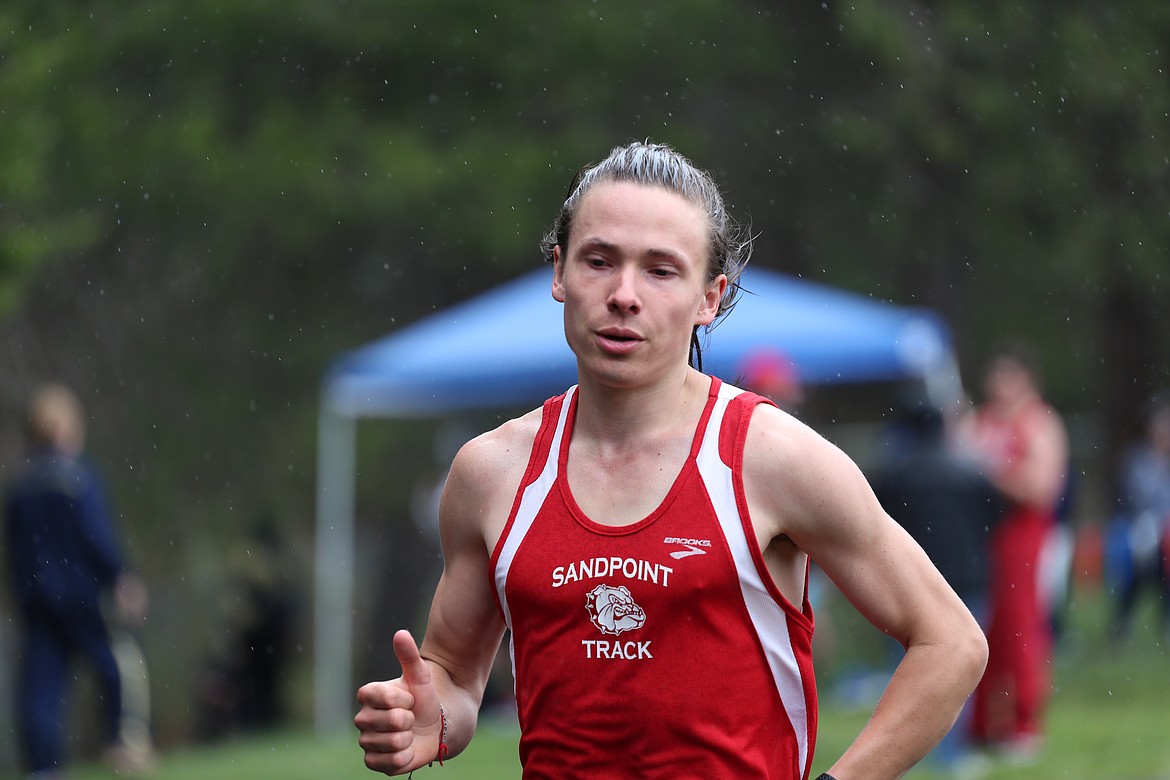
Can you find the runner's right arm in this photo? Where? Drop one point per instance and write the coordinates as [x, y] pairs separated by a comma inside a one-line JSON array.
[[399, 720]]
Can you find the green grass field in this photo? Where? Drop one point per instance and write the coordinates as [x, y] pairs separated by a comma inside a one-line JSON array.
[[1109, 720]]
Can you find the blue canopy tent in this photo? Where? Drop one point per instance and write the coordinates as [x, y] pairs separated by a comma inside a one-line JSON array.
[[506, 348]]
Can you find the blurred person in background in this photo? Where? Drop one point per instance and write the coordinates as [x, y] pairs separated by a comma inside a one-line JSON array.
[[65, 566], [938, 495], [1020, 442], [772, 374], [263, 610], [1144, 482], [240, 688]]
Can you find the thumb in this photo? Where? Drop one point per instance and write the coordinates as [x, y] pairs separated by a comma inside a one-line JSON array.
[[415, 671]]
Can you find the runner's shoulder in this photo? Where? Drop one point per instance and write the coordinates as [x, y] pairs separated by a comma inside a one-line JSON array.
[[498, 457]]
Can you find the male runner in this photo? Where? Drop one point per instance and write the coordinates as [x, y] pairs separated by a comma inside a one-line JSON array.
[[646, 537]]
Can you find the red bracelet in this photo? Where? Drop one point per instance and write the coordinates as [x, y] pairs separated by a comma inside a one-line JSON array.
[[443, 749]]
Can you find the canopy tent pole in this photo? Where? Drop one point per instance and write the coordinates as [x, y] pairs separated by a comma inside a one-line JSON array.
[[333, 705]]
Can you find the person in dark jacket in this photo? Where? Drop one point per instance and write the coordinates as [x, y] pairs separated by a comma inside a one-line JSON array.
[[949, 507], [64, 562]]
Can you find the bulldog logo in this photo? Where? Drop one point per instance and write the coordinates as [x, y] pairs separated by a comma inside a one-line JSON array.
[[612, 610]]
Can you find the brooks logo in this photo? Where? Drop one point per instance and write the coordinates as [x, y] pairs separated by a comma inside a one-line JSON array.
[[694, 546]]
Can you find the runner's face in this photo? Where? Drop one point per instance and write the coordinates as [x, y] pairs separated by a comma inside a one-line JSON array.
[[634, 281]]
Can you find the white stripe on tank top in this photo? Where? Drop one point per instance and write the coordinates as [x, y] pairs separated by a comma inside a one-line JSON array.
[[769, 619]]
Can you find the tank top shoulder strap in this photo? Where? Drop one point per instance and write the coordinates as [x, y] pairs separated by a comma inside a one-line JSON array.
[[539, 476], [553, 420], [740, 406]]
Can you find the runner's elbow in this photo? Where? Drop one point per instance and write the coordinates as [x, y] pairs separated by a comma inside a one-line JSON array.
[[971, 655]]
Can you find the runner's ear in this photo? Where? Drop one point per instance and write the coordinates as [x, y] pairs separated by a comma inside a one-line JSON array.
[[709, 306], [558, 282]]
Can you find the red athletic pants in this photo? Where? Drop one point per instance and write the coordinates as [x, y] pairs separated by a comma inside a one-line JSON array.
[[1009, 701]]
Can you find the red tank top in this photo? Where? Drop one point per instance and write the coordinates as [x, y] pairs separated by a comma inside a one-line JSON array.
[[660, 649]]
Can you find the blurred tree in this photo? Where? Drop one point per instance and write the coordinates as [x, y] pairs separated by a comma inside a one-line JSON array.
[[363, 139], [1019, 158]]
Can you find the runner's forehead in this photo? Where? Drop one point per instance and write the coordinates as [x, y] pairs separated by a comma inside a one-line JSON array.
[[659, 221]]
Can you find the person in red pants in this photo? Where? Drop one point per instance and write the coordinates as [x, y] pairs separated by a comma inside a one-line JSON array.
[[1023, 446]]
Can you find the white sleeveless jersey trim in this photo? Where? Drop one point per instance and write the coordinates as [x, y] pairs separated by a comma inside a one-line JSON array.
[[530, 504], [769, 619]]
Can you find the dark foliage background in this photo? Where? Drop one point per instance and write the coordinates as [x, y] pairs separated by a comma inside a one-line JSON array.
[[202, 202]]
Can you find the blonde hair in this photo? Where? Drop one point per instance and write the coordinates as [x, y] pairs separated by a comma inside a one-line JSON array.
[[55, 419]]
